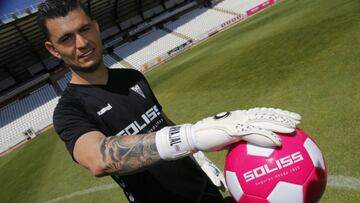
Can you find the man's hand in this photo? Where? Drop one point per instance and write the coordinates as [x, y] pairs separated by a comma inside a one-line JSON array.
[[257, 125]]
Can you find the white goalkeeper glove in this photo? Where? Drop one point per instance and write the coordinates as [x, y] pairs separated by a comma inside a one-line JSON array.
[[255, 125], [211, 170]]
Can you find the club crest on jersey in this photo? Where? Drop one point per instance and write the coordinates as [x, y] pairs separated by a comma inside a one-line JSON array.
[[136, 88]]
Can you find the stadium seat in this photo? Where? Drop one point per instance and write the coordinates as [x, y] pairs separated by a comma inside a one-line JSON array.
[[239, 6], [111, 62], [34, 111], [64, 81], [148, 47], [199, 22]]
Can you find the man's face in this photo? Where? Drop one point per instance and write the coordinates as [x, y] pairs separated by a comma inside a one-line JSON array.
[[75, 39]]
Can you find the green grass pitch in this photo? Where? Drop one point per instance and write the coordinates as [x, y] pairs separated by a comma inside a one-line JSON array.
[[298, 55]]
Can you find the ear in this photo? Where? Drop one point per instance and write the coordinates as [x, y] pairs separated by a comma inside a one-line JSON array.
[[50, 47]]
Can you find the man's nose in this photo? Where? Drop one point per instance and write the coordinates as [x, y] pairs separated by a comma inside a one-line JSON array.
[[81, 41]]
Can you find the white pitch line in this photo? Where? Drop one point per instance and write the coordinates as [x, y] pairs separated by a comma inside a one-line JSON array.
[[84, 192], [344, 182], [340, 182]]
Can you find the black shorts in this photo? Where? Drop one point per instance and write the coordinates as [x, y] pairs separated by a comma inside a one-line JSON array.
[[213, 195]]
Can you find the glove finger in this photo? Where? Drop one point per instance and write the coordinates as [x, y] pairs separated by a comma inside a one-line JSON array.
[[212, 173], [211, 170], [200, 158], [275, 127], [215, 181], [273, 122], [258, 136], [223, 186], [291, 115]]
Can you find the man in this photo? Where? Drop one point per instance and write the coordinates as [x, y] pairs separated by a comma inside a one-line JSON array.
[[112, 124]]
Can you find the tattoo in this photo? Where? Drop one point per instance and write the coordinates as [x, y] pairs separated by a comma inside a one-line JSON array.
[[129, 154]]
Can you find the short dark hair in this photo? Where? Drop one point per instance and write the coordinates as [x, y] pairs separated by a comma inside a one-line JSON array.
[[51, 9]]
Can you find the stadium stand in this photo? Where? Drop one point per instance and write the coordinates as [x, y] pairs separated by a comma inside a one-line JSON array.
[[111, 62], [32, 112], [64, 81], [199, 22], [136, 34], [148, 47], [239, 6]]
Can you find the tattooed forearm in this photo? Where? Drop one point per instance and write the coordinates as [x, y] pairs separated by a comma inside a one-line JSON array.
[[128, 154]]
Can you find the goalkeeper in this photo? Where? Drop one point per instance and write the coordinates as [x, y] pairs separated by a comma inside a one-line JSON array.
[[113, 125]]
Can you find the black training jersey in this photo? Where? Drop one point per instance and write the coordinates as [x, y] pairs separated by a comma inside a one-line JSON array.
[[127, 105]]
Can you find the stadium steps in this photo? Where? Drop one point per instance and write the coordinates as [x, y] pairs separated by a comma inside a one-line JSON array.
[[122, 61], [177, 34], [227, 11]]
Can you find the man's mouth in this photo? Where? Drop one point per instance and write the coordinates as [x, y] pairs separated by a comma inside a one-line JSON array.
[[87, 53]]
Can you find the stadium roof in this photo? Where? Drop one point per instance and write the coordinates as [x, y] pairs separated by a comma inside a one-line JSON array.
[[11, 10]]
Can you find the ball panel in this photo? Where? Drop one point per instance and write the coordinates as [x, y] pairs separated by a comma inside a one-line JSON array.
[[314, 153], [252, 199], [259, 151], [285, 193], [233, 185]]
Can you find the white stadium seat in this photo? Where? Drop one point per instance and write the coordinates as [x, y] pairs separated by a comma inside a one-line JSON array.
[[34, 111], [239, 6], [148, 47], [64, 81], [198, 22], [111, 63]]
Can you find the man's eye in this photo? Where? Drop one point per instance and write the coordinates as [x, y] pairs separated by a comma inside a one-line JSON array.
[[65, 39], [84, 29]]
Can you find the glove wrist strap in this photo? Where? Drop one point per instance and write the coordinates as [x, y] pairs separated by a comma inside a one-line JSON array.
[[175, 142]]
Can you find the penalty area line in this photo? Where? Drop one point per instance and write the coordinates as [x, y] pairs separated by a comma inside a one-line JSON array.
[[339, 182]]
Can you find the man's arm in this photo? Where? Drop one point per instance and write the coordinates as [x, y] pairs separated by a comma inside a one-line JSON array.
[[129, 154], [119, 154], [116, 154]]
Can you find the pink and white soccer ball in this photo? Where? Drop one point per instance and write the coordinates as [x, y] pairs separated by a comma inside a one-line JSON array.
[[294, 173]]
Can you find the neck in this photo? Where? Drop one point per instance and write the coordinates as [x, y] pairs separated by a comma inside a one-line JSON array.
[[98, 77]]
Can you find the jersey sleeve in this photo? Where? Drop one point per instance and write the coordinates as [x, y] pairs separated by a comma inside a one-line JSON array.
[[70, 122]]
